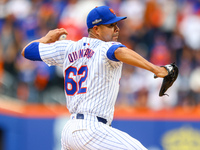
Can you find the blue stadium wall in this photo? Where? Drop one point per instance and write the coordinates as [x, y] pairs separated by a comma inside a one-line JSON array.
[[156, 131]]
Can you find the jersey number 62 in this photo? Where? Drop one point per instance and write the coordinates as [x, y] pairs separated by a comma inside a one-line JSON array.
[[72, 86]]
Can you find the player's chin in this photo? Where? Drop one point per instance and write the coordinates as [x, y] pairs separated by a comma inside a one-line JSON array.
[[115, 38]]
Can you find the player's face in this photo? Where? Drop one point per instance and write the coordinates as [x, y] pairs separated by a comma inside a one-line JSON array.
[[109, 32]]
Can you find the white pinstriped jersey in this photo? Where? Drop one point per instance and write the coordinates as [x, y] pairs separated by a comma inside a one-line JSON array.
[[91, 79]]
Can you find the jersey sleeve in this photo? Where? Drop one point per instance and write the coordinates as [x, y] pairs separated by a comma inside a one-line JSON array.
[[32, 52], [53, 54], [112, 47]]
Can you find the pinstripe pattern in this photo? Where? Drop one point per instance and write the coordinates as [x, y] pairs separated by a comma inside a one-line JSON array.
[[103, 75], [89, 134], [91, 88]]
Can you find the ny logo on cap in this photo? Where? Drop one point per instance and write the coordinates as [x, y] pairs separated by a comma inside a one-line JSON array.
[[112, 11]]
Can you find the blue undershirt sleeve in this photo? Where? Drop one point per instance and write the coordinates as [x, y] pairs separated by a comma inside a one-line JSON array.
[[32, 52], [110, 53]]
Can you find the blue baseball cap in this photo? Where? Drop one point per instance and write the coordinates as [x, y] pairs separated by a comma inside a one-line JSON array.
[[102, 15]]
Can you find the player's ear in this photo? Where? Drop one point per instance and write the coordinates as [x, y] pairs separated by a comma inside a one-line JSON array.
[[96, 30]]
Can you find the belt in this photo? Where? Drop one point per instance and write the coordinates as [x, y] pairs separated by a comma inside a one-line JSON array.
[[81, 116]]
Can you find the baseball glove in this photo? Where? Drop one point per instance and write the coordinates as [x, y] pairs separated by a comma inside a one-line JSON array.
[[169, 79]]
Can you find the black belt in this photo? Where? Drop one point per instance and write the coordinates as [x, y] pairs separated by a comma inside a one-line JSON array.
[[81, 116]]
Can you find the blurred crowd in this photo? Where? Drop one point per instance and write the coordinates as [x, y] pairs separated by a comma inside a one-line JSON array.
[[162, 31]]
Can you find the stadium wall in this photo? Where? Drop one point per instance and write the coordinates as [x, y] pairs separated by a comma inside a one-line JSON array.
[[30, 127]]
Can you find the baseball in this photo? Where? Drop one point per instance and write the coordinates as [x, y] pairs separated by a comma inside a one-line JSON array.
[[62, 37]]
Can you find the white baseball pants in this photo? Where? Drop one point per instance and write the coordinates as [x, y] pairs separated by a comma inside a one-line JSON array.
[[89, 134]]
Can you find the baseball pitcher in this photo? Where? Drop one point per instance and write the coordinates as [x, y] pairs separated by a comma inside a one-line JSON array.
[[92, 69]]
